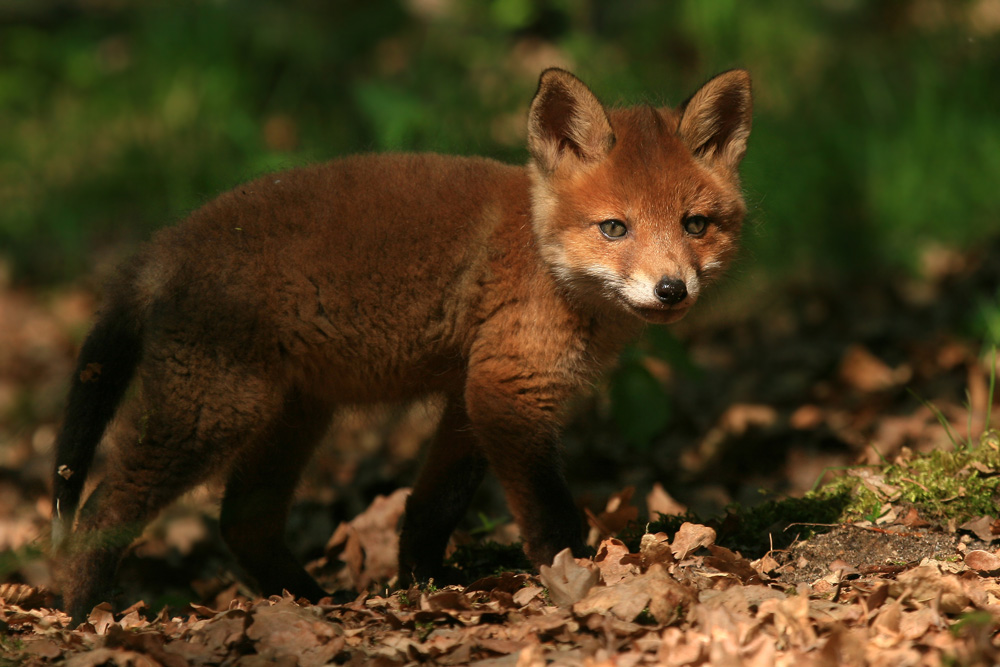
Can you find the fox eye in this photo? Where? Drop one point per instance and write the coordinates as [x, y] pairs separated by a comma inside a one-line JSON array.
[[695, 225], [613, 229]]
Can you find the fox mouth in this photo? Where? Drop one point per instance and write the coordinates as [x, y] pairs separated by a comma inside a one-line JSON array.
[[664, 315]]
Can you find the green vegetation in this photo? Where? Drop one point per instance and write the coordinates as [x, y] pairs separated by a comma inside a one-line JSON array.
[[11, 560], [486, 558], [875, 123], [960, 484]]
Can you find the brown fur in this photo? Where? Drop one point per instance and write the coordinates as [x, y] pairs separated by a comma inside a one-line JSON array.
[[384, 278]]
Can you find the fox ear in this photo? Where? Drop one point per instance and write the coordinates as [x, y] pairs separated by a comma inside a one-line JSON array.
[[716, 120], [566, 119]]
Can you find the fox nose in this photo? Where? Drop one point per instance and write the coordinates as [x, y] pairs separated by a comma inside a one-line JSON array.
[[670, 291]]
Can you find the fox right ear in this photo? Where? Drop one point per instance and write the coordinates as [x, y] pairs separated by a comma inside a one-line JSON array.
[[716, 120], [566, 119]]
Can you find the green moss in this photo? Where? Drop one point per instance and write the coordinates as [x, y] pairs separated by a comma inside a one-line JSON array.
[[488, 558], [959, 484]]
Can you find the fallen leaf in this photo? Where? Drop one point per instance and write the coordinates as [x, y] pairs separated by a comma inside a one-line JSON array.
[[724, 560], [615, 562], [766, 565], [913, 520], [43, 648], [286, 629], [567, 579], [624, 600], [740, 417], [655, 548], [101, 618], [617, 514], [926, 583], [369, 543], [526, 595], [982, 561], [666, 598], [100, 657], [659, 503], [863, 371], [669, 600], [791, 619], [914, 624], [984, 528], [24, 596], [875, 482], [690, 537]]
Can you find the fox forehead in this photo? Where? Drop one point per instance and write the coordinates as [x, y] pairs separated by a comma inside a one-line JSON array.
[[651, 175]]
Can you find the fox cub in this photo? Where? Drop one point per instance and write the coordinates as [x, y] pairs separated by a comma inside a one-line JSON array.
[[383, 278]]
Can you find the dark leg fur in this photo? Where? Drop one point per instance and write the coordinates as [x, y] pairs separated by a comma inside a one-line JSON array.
[[258, 496], [452, 472], [542, 503]]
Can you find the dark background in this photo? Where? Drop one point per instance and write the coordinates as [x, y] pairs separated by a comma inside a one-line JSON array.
[[876, 123]]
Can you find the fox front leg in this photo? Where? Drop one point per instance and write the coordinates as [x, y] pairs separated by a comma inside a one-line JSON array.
[[452, 470], [515, 417]]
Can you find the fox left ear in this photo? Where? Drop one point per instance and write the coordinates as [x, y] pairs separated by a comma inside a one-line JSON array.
[[716, 120], [566, 119]]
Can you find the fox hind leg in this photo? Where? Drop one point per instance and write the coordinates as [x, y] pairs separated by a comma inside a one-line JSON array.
[[143, 478], [183, 428], [259, 493]]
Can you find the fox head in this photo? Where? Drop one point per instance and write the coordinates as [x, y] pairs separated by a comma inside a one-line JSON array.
[[640, 207]]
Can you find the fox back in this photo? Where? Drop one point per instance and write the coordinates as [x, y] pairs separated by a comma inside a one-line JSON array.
[[384, 278]]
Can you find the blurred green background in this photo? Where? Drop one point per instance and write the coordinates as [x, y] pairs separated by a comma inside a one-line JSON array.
[[877, 124]]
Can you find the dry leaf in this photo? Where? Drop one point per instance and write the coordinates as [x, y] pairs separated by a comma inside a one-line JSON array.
[[983, 528], [43, 648], [103, 656], [875, 482], [913, 520], [691, 537], [615, 562], [655, 549], [914, 624], [286, 629], [659, 503], [369, 543], [624, 600], [24, 596], [101, 618], [669, 600], [724, 560], [568, 579], [617, 514], [926, 584], [526, 595], [863, 371], [791, 619], [982, 561]]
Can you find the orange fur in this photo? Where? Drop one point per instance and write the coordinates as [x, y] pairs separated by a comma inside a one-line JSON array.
[[383, 278]]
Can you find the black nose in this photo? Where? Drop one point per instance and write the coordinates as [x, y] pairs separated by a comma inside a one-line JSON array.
[[670, 291]]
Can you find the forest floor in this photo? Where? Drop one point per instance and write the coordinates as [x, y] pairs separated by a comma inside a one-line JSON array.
[[776, 391]]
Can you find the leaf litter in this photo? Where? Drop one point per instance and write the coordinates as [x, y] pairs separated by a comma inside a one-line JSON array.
[[680, 601]]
